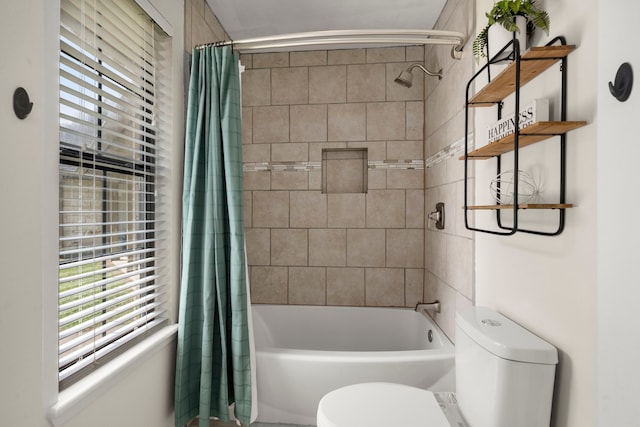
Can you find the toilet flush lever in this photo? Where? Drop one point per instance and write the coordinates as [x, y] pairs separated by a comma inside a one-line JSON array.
[[491, 322]]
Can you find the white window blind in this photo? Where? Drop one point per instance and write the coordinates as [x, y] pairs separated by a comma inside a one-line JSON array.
[[110, 244]]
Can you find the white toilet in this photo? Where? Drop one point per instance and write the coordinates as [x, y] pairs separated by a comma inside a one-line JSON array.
[[504, 378]]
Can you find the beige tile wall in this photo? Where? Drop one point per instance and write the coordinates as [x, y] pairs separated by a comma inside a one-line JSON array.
[[200, 25], [306, 247], [449, 252]]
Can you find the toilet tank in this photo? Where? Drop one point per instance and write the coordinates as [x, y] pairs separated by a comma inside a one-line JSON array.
[[504, 373]]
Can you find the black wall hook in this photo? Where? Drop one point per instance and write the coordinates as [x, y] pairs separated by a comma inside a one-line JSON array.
[[21, 104], [623, 84]]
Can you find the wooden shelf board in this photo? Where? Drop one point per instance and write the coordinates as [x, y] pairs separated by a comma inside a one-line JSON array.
[[532, 63], [523, 206], [530, 135]]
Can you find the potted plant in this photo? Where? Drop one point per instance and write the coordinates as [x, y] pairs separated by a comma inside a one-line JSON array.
[[510, 16]]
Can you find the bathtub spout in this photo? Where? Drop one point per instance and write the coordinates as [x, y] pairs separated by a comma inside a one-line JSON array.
[[431, 306]]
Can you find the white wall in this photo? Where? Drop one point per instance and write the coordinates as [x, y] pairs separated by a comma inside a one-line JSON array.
[[618, 289], [548, 284], [28, 234], [22, 164], [143, 397]]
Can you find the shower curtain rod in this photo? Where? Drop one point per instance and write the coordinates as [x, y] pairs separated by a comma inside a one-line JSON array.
[[331, 37]]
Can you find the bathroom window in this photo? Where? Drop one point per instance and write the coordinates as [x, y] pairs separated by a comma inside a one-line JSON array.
[[110, 277]]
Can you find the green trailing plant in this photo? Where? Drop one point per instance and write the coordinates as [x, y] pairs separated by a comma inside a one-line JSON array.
[[503, 13]]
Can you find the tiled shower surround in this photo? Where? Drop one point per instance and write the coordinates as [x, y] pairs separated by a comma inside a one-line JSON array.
[[449, 252], [308, 247]]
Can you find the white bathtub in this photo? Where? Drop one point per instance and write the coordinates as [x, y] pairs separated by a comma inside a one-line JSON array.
[[303, 352]]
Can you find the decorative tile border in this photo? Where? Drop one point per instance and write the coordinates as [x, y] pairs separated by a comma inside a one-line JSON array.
[[281, 166], [449, 151], [396, 164], [311, 166]]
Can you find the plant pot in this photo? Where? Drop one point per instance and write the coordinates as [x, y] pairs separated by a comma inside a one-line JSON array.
[[498, 37]]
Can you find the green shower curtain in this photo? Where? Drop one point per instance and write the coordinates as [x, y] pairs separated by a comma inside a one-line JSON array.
[[213, 368]]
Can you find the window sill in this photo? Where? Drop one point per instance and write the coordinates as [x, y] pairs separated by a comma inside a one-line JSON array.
[[75, 398]]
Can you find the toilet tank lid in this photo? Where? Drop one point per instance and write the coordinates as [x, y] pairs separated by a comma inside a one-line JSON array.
[[503, 337]]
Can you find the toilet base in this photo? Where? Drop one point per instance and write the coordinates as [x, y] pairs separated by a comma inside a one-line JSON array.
[[449, 406]]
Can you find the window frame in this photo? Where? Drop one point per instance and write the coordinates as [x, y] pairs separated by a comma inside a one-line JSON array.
[[147, 170]]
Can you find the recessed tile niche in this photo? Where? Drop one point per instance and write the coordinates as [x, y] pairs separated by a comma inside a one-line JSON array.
[[344, 170]]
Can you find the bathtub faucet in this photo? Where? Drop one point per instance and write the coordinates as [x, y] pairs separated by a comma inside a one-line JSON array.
[[430, 306]]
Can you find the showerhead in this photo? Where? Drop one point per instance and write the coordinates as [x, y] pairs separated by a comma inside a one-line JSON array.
[[406, 77]]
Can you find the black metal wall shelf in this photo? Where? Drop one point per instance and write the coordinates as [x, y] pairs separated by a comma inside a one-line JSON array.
[[522, 70]]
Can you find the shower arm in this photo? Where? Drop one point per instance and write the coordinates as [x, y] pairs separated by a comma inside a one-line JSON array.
[[315, 38], [437, 74]]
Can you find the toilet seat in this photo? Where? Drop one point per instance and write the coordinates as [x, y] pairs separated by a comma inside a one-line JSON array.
[[380, 405]]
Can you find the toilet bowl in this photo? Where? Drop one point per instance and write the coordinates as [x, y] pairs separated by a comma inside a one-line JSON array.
[[387, 404], [504, 378]]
